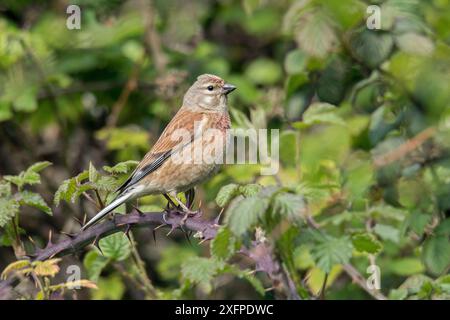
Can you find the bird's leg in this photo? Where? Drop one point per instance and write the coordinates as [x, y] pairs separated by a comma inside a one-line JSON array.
[[186, 210], [190, 195], [170, 201]]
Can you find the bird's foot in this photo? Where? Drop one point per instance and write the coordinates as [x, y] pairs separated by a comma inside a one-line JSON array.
[[189, 214]]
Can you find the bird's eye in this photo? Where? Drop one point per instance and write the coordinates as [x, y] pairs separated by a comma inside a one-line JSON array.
[[210, 88]]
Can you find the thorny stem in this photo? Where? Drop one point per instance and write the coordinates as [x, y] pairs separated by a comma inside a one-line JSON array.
[[172, 219]]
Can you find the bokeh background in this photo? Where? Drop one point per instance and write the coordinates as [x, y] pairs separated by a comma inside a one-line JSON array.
[[364, 125]]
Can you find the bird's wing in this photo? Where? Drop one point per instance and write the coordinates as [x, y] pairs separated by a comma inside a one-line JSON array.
[[166, 145]]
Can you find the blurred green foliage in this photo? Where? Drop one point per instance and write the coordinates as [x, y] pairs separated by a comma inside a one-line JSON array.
[[364, 123]]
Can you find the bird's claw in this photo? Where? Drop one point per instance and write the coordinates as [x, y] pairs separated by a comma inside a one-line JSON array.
[[190, 214]]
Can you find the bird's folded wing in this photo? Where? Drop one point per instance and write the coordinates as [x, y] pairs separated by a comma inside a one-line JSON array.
[[185, 123]]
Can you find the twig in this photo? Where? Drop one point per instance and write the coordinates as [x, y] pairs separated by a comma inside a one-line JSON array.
[[360, 281], [405, 148], [130, 86], [152, 41], [90, 199], [262, 253]]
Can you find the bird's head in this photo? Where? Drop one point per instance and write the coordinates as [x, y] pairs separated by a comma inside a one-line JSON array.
[[208, 92]]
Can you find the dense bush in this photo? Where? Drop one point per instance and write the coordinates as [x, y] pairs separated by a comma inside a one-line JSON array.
[[364, 125]]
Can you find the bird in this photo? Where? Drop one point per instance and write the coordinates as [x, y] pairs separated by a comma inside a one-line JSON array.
[[204, 107]]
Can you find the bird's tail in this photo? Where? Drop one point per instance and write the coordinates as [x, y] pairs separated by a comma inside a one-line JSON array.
[[117, 202]]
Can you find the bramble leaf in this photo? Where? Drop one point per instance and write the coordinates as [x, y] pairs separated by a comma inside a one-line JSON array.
[[34, 200], [366, 242], [223, 245], [115, 246], [245, 213]]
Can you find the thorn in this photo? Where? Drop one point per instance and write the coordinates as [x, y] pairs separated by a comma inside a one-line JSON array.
[[70, 235], [97, 245], [84, 219], [217, 219], [172, 228], [154, 235], [50, 234], [251, 272], [201, 241], [160, 226], [77, 220], [138, 211], [31, 240], [127, 232]]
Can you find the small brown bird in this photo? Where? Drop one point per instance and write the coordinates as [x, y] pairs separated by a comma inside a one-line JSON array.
[[161, 171]]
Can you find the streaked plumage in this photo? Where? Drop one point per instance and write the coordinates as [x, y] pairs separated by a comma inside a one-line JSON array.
[[159, 172]]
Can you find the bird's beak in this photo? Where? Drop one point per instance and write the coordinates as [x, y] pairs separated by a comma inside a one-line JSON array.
[[227, 88]]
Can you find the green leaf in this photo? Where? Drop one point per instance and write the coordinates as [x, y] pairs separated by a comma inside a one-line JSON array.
[[398, 294], [328, 251], [295, 62], [359, 176], [226, 193], [29, 176], [5, 189], [34, 200], [315, 33], [65, 191], [26, 101], [436, 253], [5, 111], [387, 232], [94, 264], [244, 213], [414, 283], [372, 46], [250, 190], [106, 183], [172, 257], [110, 288], [406, 266], [443, 229], [115, 246], [414, 43], [418, 221], [8, 209], [366, 242], [201, 270], [93, 174], [319, 113], [264, 71], [121, 167], [289, 205], [39, 166], [331, 85], [223, 245]]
